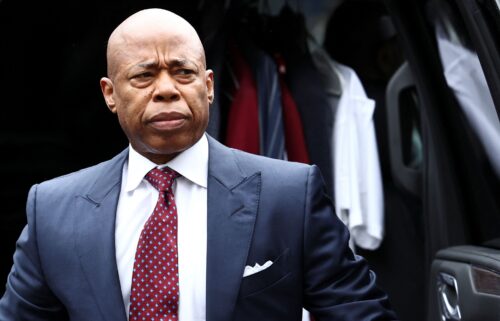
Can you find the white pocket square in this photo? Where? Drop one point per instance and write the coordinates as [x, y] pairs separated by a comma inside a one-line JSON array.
[[249, 270]]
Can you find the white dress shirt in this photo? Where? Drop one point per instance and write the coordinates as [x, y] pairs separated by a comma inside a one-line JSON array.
[[359, 200], [136, 203]]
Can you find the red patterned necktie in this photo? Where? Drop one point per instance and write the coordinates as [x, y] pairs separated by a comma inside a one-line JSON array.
[[155, 280]]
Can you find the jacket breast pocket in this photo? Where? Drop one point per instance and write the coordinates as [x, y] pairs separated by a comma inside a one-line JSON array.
[[266, 278]]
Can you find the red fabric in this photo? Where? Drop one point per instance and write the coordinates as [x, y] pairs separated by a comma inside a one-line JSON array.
[[243, 119], [295, 142], [155, 280]]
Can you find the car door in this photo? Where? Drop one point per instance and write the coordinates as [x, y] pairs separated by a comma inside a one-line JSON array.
[[452, 67], [465, 280]]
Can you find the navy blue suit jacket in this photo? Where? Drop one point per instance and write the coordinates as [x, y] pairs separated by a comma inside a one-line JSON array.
[[259, 209]]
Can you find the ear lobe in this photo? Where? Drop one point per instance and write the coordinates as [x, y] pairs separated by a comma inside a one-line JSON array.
[[210, 85], [107, 91]]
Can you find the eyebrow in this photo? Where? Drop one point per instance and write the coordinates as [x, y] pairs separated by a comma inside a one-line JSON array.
[[179, 62], [176, 62], [147, 65]]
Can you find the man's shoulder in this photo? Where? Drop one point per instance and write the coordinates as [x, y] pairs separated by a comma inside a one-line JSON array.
[[263, 162], [248, 162]]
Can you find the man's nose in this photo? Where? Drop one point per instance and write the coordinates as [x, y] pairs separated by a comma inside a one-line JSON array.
[[166, 89]]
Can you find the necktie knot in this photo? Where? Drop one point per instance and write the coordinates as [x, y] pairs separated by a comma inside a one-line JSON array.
[[162, 179]]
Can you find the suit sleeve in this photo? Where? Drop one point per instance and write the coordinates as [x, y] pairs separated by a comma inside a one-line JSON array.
[[27, 296], [338, 285]]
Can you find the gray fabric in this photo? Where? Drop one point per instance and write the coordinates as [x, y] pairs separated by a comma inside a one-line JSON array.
[[316, 108], [272, 133]]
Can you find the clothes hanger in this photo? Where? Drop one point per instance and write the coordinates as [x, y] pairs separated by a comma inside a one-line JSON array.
[[314, 46], [289, 34]]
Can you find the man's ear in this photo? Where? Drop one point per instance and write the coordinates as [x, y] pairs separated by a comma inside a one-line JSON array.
[[107, 91], [210, 85]]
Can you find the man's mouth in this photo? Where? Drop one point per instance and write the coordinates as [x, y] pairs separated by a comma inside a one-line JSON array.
[[167, 121]]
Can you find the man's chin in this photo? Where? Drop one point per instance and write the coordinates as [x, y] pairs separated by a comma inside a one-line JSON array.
[[162, 153]]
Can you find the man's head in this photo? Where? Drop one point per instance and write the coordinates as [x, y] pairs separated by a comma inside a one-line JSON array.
[[157, 83]]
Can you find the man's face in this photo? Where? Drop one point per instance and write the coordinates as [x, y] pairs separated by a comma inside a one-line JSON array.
[[161, 91]]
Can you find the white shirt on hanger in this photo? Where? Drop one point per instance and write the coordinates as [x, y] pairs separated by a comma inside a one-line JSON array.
[[359, 200]]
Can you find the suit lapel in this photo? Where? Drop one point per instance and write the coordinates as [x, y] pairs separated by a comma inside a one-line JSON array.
[[95, 238], [233, 199]]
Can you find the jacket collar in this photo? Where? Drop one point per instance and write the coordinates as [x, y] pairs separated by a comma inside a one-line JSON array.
[[233, 199]]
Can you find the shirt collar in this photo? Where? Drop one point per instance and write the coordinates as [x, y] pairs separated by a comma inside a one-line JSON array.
[[192, 164]]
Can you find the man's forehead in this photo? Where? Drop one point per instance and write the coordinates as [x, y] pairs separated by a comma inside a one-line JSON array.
[[155, 35], [153, 31], [173, 49], [152, 23]]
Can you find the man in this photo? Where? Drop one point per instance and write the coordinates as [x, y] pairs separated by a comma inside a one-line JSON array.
[[236, 237]]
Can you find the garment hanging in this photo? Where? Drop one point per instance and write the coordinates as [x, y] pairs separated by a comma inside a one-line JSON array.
[[295, 144], [359, 198], [272, 134], [465, 77], [314, 106], [243, 119]]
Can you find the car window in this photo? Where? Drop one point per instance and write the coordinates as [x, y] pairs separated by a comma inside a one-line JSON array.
[[467, 73], [465, 77]]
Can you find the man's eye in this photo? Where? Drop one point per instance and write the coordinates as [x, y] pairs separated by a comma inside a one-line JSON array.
[[185, 71], [143, 75]]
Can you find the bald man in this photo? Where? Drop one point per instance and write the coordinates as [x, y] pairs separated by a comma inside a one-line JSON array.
[[178, 226]]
